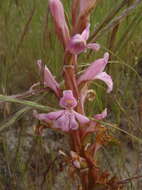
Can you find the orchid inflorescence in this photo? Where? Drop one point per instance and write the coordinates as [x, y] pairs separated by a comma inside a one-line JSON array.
[[71, 118]]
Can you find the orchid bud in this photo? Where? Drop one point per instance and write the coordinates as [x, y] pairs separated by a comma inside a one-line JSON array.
[[57, 11], [49, 80], [85, 8]]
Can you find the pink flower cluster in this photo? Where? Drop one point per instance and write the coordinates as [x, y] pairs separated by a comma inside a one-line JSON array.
[[67, 118]]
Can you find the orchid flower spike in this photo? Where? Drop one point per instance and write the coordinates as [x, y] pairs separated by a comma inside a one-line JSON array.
[[78, 43], [66, 119], [57, 11], [95, 71], [49, 80]]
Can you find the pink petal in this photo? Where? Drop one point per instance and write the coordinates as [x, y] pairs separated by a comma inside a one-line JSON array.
[[66, 121], [49, 79], [47, 117], [94, 69], [62, 123], [106, 57], [54, 115], [76, 44], [81, 118], [101, 115], [57, 11], [68, 100], [85, 34], [107, 79], [93, 46], [73, 123]]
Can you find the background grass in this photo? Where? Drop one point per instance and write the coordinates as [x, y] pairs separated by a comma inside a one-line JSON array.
[[27, 34]]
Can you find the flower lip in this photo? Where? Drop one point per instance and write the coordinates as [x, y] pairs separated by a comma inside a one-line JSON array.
[[68, 100]]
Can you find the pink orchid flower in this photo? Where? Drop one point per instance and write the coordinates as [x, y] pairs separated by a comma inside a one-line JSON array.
[[57, 11], [95, 71], [49, 80], [78, 43], [66, 119]]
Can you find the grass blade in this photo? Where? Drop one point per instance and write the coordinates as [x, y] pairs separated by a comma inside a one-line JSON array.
[[25, 102]]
